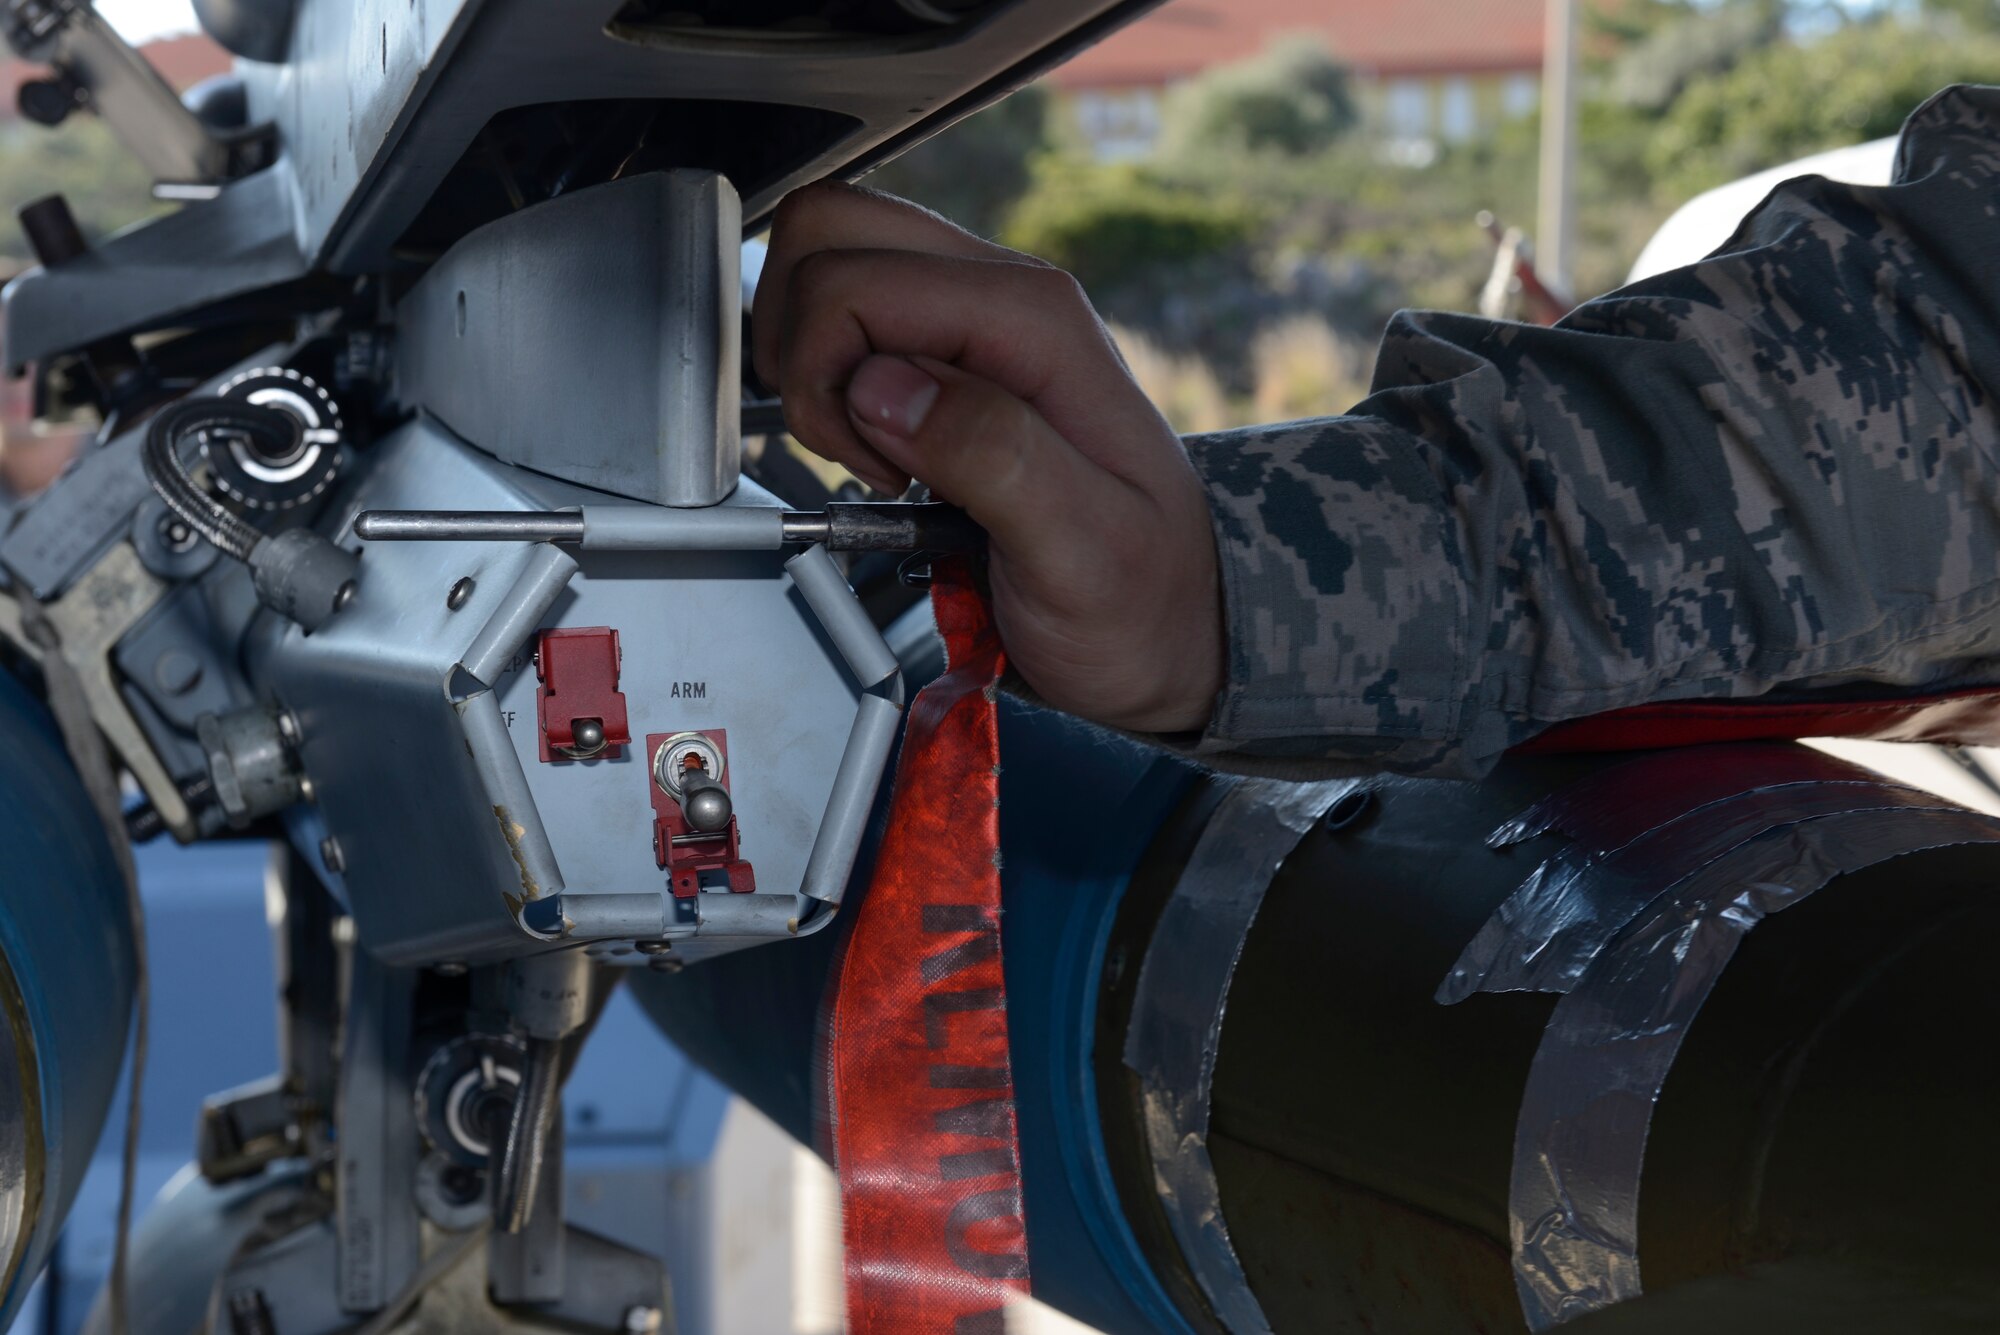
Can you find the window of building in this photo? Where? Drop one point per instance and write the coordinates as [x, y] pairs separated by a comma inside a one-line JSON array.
[[1458, 117], [1407, 108], [1520, 95], [1119, 125]]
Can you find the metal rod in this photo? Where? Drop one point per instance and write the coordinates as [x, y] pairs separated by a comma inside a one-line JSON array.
[[807, 526], [891, 526], [470, 525]]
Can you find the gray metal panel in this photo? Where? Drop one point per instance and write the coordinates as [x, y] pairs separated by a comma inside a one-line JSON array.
[[398, 787], [389, 95], [91, 505], [240, 242], [359, 71], [359, 197], [711, 640], [376, 1217], [89, 508], [594, 338]]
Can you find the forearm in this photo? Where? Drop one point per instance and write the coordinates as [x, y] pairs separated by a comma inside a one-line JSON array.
[[1775, 470]]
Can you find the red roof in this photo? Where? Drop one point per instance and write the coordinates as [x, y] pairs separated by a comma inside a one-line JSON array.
[[181, 61], [1380, 38]]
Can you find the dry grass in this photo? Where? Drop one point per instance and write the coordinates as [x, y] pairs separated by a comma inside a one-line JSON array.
[[1302, 368], [1186, 392]]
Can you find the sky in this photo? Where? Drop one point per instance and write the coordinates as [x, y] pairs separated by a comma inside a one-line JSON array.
[[142, 20]]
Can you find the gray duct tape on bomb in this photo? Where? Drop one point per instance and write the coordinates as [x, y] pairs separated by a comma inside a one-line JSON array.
[[1633, 924]]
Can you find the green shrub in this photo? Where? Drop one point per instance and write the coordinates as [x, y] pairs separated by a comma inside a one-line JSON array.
[[1294, 99], [1115, 225], [1788, 100]]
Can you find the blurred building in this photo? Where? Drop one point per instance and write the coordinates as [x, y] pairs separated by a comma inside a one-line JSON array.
[[1425, 71]]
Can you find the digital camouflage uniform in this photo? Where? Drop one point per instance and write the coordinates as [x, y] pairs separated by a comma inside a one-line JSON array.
[[1776, 470]]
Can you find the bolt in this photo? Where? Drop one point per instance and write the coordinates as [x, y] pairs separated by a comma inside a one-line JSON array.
[[665, 964], [449, 968], [176, 672], [460, 595], [652, 947], [344, 596], [330, 854], [642, 1320], [176, 536]]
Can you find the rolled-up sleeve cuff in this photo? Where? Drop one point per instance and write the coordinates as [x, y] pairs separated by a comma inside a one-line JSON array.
[[1344, 606]]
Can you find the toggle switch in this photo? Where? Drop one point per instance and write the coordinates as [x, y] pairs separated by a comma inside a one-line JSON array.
[[694, 816], [579, 705]]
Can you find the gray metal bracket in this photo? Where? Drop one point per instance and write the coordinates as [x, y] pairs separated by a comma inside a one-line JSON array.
[[630, 381], [648, 915], [547, 909]]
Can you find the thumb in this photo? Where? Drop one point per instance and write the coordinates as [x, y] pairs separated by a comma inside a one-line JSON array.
[[973, 444]]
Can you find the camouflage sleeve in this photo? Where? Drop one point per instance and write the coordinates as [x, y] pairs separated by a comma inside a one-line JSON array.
[[1777, 470]]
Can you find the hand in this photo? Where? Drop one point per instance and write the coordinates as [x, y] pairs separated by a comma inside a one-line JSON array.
[[905, 347]]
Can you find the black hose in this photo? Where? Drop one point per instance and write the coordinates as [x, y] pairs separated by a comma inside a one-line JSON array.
[[518, 1171], [168, 473]]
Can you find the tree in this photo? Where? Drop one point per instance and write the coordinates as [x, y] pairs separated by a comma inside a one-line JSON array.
[[1977, 14], [1793, 98], [1113, 226], [1295, 99], [1656, 68]]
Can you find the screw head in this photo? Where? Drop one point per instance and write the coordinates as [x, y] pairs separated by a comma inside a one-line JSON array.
[[307, 792], [176, 536], [461, 593], [176, 672], [343, 596], [652, 947], [288, 726], [665, 964], [331, 855]]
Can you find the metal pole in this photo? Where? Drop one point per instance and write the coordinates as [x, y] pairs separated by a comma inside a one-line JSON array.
[[1555, 246]]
